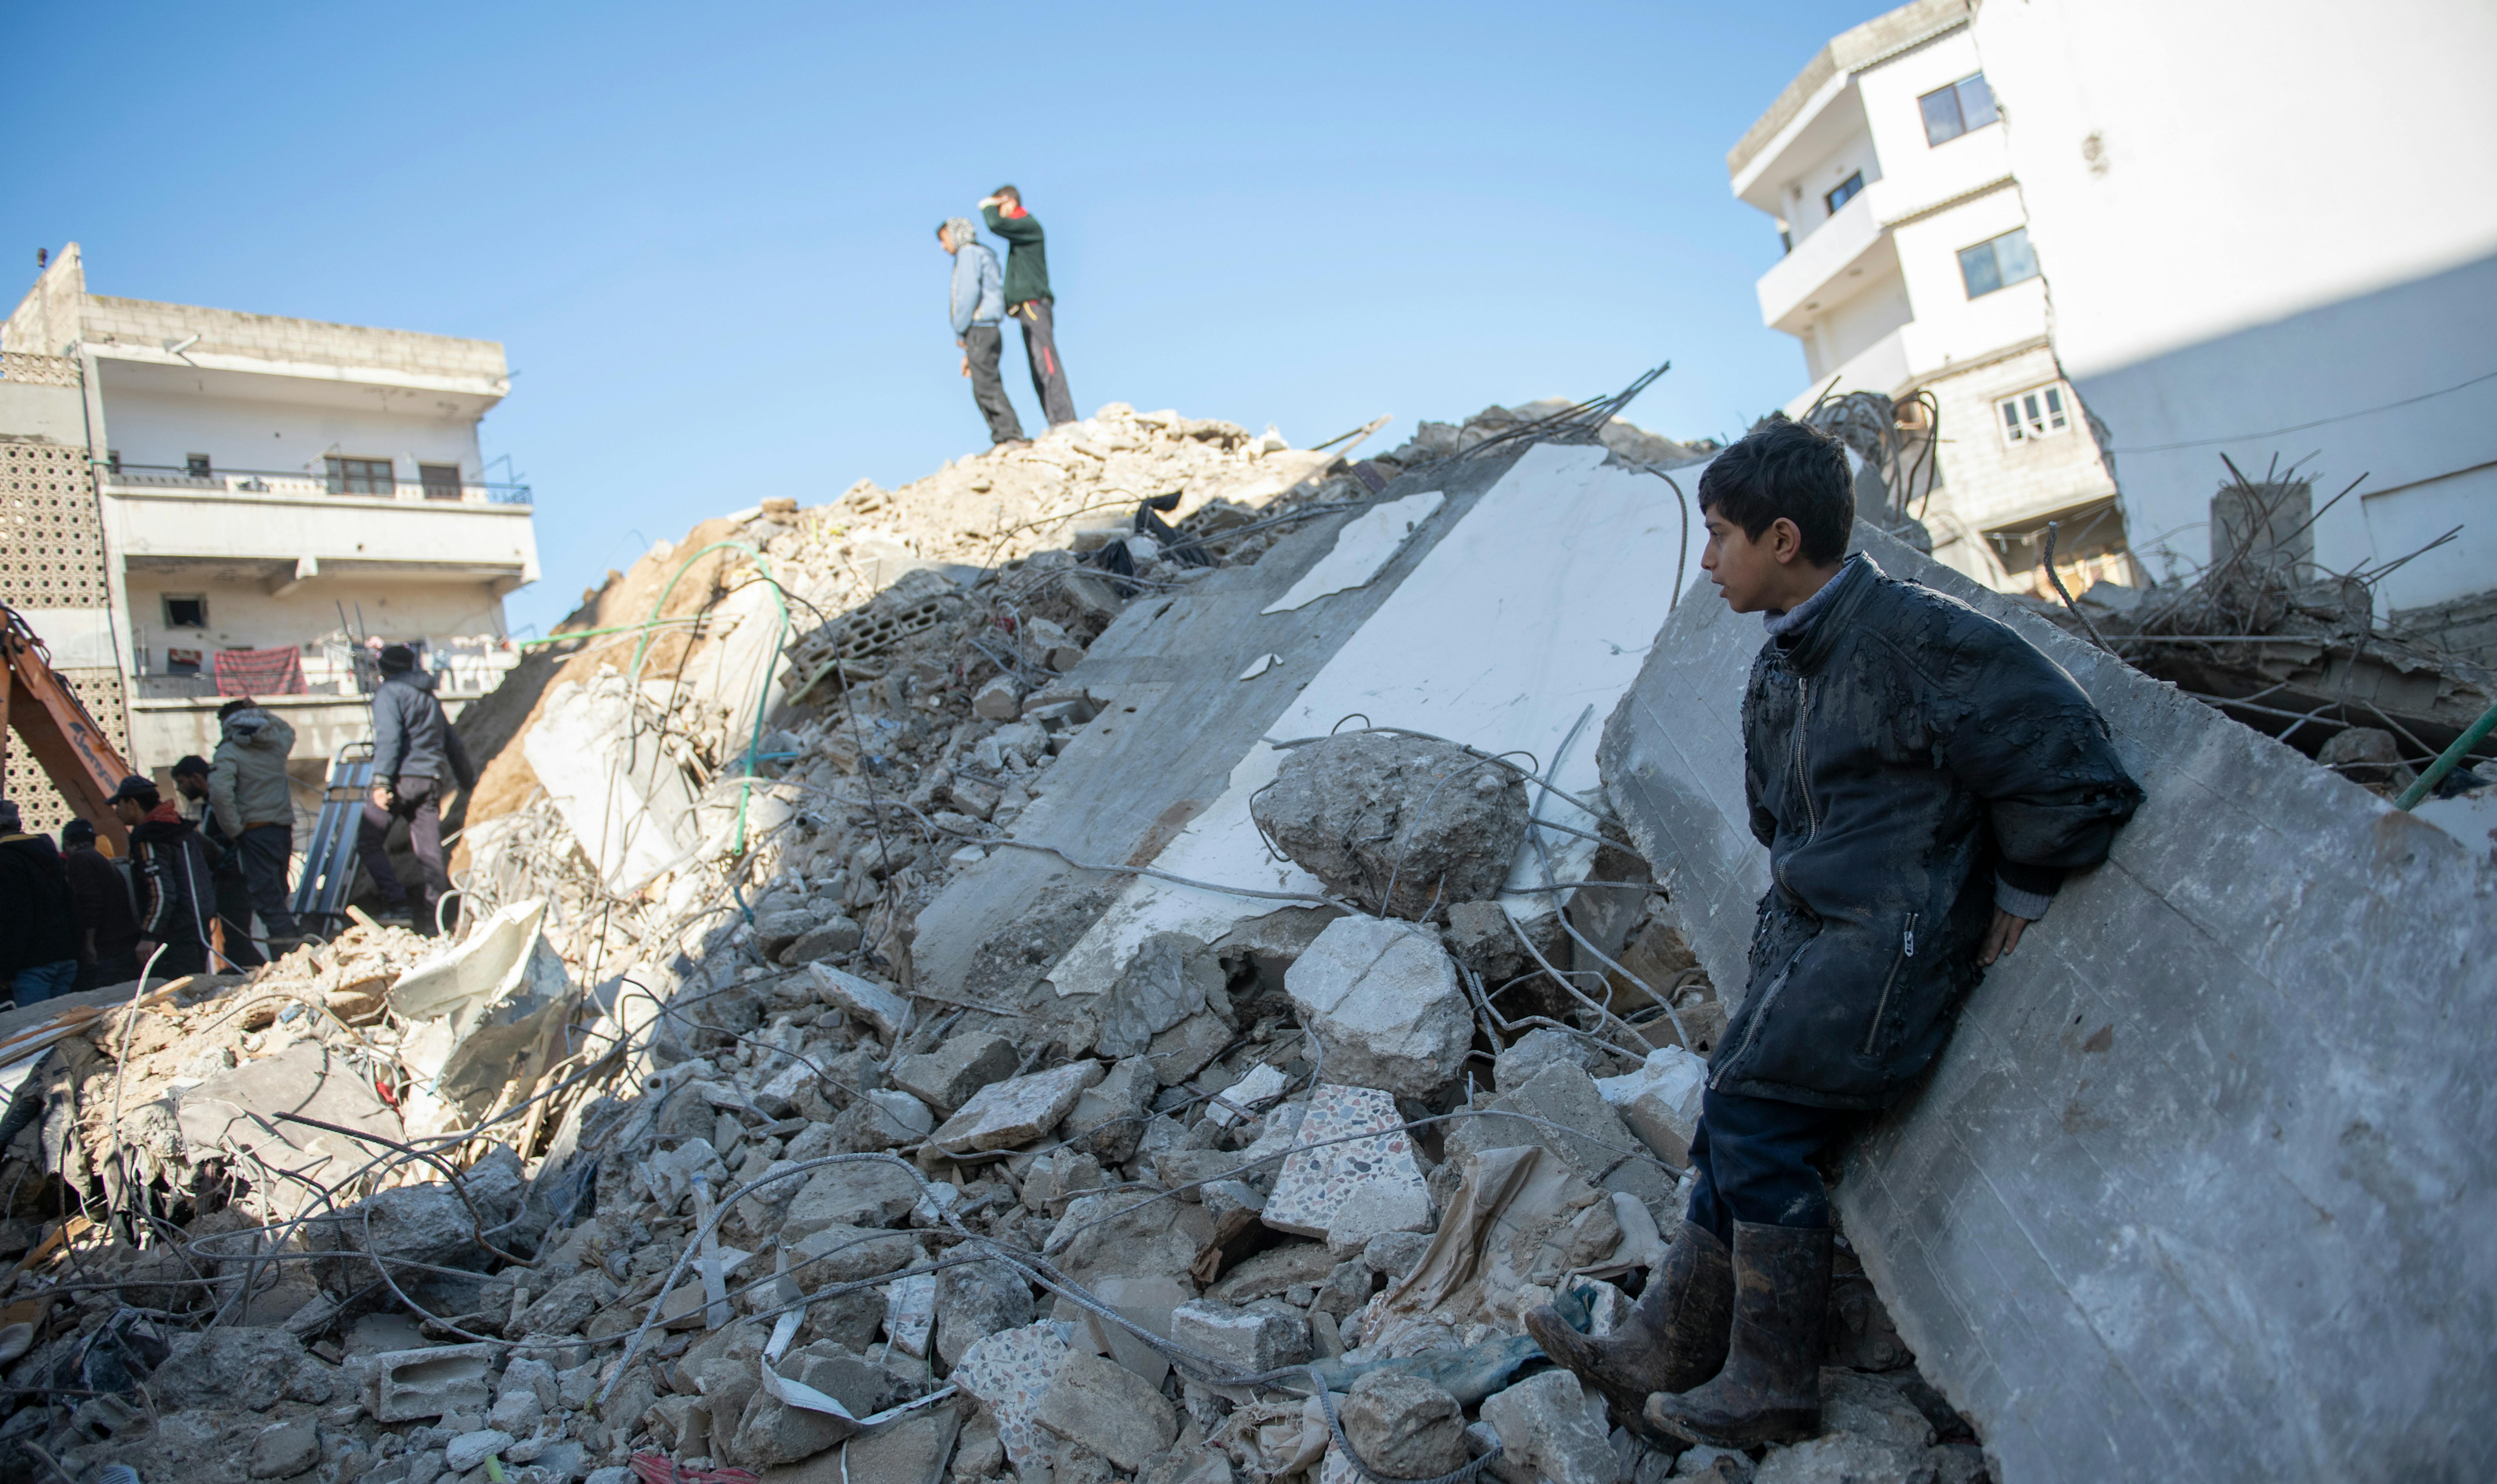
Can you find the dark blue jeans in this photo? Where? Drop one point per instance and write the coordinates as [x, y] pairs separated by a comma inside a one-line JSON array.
[[1752, 1160]]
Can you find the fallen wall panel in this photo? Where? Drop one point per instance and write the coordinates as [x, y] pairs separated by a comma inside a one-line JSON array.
[[2202, 1185]]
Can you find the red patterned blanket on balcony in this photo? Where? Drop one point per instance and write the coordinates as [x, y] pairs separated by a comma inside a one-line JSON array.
[[261, 672]]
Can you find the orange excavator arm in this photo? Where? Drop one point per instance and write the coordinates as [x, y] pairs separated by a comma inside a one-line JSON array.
[[51, 721]]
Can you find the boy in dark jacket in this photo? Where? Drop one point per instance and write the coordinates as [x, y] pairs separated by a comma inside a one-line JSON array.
[[1029, 298], [38, 933], [411, 755], [108, 927], [177, 895], [1923, 779]]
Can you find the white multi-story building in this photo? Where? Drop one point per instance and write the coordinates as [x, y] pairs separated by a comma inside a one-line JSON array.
[[252, 486], [1908, 269], [2120, 240]]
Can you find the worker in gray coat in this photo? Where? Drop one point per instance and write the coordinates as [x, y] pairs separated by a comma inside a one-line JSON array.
[[254, 807], [979, 309], [411, 762]]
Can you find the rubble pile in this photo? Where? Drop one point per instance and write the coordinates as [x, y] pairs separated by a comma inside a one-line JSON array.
[[673, 1166]]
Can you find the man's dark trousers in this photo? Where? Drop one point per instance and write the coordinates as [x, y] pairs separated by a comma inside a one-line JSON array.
[[984, 346], [1752, 1161], [1048, 373], [265, 851], [234, 901], [417, 801]]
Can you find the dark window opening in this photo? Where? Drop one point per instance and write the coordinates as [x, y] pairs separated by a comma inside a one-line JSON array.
[[1848, 190], [196, 465], [1998, 263], [187, 610], [1965, 106], [441, 480], [362, 476], [112, 460]]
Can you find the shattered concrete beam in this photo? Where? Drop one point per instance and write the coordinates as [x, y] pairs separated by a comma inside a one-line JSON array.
[[2206, 1172]]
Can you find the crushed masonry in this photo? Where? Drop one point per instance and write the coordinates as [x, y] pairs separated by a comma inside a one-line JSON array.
[[1030, 973]]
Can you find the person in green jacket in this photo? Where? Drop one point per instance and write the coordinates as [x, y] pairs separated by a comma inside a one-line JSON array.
[[1028, 299]]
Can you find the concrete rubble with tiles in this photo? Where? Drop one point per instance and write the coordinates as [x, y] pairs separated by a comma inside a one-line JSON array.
[[866, 1113]]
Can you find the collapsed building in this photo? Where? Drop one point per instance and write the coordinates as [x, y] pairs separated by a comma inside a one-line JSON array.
[[1141, 957]]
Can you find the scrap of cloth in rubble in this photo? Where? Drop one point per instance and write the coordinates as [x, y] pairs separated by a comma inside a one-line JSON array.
[[261, 672]]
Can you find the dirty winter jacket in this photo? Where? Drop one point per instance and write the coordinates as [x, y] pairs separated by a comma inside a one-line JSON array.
[[1027, 254], [177, 896], [38, 921], [247, 776], [102, 893], [1905, 757], [979, 299], [408, 727]]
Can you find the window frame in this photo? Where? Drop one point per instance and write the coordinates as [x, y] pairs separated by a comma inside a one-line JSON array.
[[2052, 417], [361, 479], [198, 467], [1957, 94], [1836, 198], [169, 599], [440, 477], [1993, 248]]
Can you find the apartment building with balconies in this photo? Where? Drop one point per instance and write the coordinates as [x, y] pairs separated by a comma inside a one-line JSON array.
[[1908, 270], [272, 500]]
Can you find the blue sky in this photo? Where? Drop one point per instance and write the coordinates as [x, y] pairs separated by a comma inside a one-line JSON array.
[[706, 235]]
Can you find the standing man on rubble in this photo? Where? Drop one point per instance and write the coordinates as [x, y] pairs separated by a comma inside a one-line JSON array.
[[254, 807], [225, 863], [108, 930], [39, 947], [979, 305], [176, 895], [413, 751], [1028, 299], [1924, 779]]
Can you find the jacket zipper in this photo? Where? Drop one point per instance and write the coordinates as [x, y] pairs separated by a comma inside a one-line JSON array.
[[1906, 951], [1803, 763]]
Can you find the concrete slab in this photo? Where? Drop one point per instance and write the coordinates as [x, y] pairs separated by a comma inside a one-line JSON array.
[[2202, 1182]]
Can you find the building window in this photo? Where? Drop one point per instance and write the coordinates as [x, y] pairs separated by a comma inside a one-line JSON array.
[[182, 662], [1954, 111], [362, 476], [1848, 190], [441, 480], [196, 465], [1998, 263], [112, 460], [187, 610], [2036, 413]]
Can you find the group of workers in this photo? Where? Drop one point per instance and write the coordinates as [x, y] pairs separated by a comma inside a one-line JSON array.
[[983, 298], [201, 862]]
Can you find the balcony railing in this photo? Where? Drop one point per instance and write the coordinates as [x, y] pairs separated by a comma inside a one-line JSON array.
[[298, 482]]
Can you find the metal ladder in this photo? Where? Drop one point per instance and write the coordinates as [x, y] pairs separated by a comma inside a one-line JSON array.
[[329, 858]]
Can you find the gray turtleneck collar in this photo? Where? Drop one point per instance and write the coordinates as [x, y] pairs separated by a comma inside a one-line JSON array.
[[1795, 620]]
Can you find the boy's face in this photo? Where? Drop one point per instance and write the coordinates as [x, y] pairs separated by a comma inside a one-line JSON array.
[[1751, 576]]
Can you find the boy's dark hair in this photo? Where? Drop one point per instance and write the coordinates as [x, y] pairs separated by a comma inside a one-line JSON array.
[[1785, 468], [1009, 193]]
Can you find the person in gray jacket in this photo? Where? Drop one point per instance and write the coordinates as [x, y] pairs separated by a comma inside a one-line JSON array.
[[255, 808], [411, 757], [979, 308]]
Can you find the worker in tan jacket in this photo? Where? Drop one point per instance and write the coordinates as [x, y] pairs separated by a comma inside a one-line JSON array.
[[254, 807]]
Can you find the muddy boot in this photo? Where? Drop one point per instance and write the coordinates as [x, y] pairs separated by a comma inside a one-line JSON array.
[[1672, 1340], [1770, 1388]]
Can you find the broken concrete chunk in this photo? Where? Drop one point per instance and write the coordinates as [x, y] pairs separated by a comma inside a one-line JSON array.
[[1170, 977], [826, 939], [1324, 1173], [1109, 1117], [1874, 1407], [843, 1253], [1285, 1265], [1108, 1409], [884, 1119], [1549, 1433], [946, 1078], [1660, 1100], [1375, 1207], [1359, 809], [1187, 1048], [241, 1370], [284, 1449], [1008, 1371], [1402, 1426], [1597, 1145], [1383, 1001], [470, 1450], [1248, 1097], [1262, 1337], [910, 1313], [1537, 1049], [859, 999], [1000, 699], [865, 1193], [1841, 1458], [975, 1301], [1018, 1111]]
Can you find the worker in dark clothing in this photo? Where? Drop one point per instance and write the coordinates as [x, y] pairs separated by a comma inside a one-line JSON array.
[[411, 757], [107, 929], [177, 895], [1028, 299], [978, 308], [253, 805], [38, 925], [232, 888], [1924, 779]]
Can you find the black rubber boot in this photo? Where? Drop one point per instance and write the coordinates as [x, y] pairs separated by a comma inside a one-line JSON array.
[[1673, 1339], [1769, 1390]]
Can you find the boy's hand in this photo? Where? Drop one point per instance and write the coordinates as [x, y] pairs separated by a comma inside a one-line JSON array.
[[2002, 938]]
